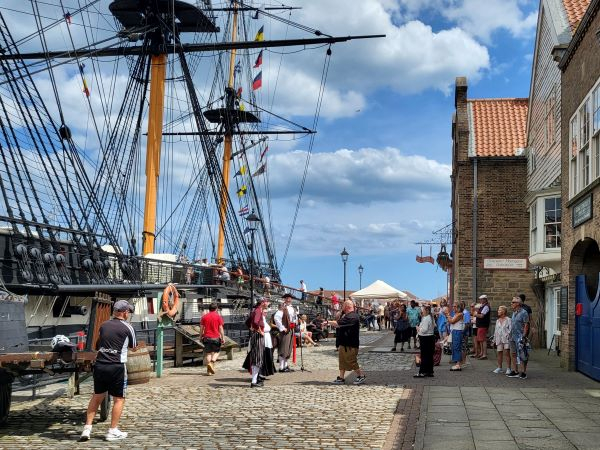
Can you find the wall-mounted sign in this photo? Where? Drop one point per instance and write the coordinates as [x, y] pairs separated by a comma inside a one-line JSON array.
[[564, 305], [582, 210], [505, 263]]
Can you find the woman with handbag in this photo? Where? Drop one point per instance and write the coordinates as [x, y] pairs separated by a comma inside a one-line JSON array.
[[213, 336], [402, 329]]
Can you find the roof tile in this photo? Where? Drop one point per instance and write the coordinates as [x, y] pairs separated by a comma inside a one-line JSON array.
[[498, 126], [575, 10]]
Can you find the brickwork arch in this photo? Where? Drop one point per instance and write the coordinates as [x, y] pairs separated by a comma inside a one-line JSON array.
[[585, 260]]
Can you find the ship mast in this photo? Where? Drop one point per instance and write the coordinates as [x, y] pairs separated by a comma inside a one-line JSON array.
[[227, 140], [155, 126]]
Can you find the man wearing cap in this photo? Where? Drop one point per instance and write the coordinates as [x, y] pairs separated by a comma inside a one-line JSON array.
[[518, 339], [285, 319], [482, 321], [110, 373]]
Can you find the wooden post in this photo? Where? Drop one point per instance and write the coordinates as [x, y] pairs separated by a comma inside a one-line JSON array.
[[178, 349], [71, 386]]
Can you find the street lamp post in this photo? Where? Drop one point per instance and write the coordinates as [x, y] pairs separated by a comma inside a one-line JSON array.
[[253, 219], [344, 256], [360, 272]]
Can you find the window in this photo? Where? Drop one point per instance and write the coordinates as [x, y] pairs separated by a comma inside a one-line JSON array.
[[584, 143], [573, 132], [596, 109], [552, 222], [533, 228]]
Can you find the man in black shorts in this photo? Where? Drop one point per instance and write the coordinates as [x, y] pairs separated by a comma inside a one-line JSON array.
[[110, 373]]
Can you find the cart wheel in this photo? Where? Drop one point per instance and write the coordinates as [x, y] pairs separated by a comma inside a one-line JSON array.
[[104, 408], [5, 397]]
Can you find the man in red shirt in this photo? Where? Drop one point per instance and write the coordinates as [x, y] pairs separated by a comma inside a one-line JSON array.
[[212, 334]]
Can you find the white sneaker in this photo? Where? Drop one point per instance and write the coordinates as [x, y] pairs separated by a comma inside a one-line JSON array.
[[87, 431], [497, 370], [114, 434], [507, 371]]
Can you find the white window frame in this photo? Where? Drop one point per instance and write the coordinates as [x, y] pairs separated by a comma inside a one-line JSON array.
[[533, 221], [584, 142], [557, 211]]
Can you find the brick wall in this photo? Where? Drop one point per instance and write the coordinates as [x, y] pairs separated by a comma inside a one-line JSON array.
[[502, 219], [578, 78]]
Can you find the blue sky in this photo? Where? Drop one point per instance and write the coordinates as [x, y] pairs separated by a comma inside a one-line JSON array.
[[414, 124], [378, 179]]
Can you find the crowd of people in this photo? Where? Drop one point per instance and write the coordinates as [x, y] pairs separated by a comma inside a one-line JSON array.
[[458, 329]]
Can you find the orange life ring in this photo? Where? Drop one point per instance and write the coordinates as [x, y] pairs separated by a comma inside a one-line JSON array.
[[170, 311]]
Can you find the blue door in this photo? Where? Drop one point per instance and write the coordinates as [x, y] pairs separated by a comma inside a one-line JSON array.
[[587, 331]]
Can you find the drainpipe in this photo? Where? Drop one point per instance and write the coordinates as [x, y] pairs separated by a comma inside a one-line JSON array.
[[474, 237]]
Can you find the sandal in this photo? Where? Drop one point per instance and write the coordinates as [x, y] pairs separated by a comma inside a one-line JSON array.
[[481, 358]]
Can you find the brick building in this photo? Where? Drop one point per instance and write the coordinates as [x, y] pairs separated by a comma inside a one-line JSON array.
[[489, 182], [557, 21], [580, 160]]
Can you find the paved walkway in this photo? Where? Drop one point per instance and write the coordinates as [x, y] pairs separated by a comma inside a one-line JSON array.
[[470, 409]]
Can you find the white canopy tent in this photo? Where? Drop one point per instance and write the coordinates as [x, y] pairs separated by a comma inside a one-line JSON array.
[[379, 290]]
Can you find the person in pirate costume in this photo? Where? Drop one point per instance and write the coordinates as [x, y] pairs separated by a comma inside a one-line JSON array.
[[255, 357], [285, 320], [268, 367]]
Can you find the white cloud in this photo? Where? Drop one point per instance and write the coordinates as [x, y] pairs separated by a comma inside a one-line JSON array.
[[410, 59], [363, 176], [482, 18]]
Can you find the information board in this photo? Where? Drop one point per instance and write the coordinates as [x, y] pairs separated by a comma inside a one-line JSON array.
[[564, 305]]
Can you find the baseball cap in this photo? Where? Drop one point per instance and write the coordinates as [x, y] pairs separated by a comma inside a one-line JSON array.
[[483, 296], [123, 305]]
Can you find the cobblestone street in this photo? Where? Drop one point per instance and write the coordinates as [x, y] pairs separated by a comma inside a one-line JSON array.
[[187, 409], [474, 409]]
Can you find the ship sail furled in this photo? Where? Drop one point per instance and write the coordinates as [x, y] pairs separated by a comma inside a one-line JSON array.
[[147, 138]]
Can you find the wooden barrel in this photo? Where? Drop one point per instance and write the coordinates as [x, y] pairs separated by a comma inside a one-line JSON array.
[[139, 365]]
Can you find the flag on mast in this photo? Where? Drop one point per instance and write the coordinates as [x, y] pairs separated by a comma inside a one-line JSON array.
[[242, 191], [242, 171], [260, 170], [264, 152], [258, 62], [257, 82], [67, 17], [260, 36], [243, 211], [86, 90]]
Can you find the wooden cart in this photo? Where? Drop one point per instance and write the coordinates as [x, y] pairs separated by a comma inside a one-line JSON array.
[[13, 365]]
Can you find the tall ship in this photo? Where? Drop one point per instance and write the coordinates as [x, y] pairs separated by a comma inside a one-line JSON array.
[[135, 140]]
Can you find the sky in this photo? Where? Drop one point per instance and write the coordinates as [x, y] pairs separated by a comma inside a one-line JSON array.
[[378, 181]]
